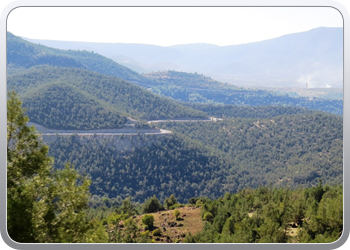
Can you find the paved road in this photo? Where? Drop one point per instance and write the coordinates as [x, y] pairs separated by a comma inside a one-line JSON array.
[[161, 131], [210, 119], [120, 131]]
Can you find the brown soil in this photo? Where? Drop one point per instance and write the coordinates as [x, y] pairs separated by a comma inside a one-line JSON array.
[[174, 230]]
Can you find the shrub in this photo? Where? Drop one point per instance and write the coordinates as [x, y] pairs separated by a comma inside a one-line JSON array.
[[148, 220], [152, 205], [128, 222], [176, 213], [145, 233], [168, 202], [199, 203], [208, 217], [176, 206], [192, 201], [157, 232]]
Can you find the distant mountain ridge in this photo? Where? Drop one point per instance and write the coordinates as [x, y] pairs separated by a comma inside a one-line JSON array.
[[183, 86], [22, 55], [314, 56]]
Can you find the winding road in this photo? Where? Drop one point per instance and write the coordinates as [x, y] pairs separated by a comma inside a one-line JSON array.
[[128, 130]]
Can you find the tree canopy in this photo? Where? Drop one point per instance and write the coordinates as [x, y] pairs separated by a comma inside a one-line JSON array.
[[42, 205]]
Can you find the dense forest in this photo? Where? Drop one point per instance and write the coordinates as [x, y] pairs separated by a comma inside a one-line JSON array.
[[62, 106], [303, 146], [93, 95], [237, 111], [22, 55], [52, 206], [197, 88], [210, 158], [270, 215], [46, 205], [187, 80]]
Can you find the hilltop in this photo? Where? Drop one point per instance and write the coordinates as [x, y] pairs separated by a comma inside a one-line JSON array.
[[22, 55], [199, 88], [58, 97]]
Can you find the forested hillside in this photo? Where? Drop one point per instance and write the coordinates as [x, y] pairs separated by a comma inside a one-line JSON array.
[[235, 111], [267, 215], [58, 97], [256, 144], [198, 88], [62, 106], [180, 86], [315, 55], [187, 80], [208, 159], [22, 55], [191, 166], [295, 149]]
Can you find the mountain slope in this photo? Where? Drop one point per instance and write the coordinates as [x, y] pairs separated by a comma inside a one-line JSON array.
[[61, 106], [314, 56], [209, 159], [22, 54], [177, 85], [121, 96], [186, 80], [197, 88]]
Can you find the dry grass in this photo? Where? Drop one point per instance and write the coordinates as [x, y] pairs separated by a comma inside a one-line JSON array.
[[292, 232], [190, 218]]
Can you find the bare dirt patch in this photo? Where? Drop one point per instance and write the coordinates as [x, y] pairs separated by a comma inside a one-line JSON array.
[[175, 230]]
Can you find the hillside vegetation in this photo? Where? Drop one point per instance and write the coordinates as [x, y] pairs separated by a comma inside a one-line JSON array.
[[187, 80], [236, 111], [291, 60], [196, 88], [62, 106], [78, 98], [181, 86], [209, 159], [59, 213], [261, 215], [293, 150], [22, 55]]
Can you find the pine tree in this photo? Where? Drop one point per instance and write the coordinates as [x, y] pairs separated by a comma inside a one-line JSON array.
[[42, 205], [28, 176]]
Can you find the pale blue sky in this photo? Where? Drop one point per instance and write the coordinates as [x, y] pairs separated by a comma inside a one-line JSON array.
[[168, 26]]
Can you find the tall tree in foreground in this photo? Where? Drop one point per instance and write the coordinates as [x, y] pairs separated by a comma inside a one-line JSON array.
[[42, 205]]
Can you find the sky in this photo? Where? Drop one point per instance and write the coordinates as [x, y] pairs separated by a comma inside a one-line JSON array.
[[166, 26]]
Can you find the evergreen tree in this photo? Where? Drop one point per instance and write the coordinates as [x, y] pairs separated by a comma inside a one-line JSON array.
[[42, 205], [168, 202], [152, 205]]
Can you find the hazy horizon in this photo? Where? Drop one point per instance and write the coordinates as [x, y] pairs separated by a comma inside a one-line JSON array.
[[162, 26]]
